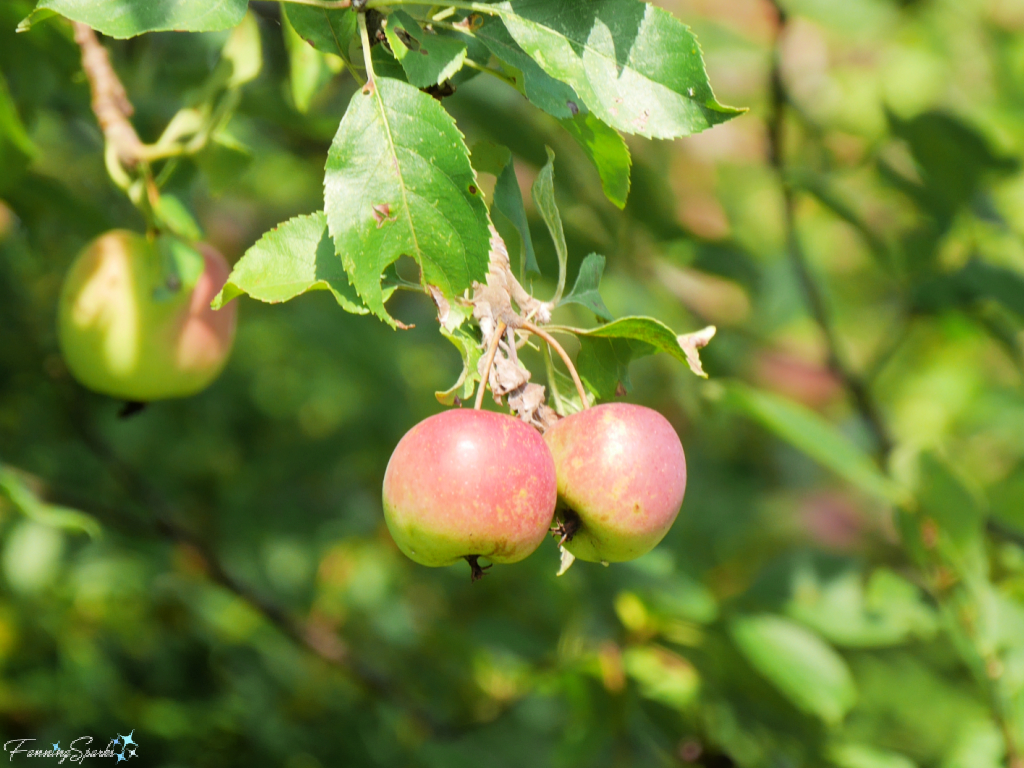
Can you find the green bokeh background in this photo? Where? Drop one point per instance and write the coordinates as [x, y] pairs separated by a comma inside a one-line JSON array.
[[790, 618]]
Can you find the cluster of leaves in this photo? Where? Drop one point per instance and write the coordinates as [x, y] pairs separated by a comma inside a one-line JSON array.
[[814, 605]]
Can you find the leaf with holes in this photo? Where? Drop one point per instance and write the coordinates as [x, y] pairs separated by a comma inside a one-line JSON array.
[[427, 59], [636, 66], [289, 260], [128, 18], [399, 182]]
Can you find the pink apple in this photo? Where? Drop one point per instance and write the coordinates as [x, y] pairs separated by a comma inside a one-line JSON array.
[[621, 479], [465, 484], [124, 332]]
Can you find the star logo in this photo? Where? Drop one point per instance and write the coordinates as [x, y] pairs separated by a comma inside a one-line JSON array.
[[116, 740], [128, 740], [56, 747], [131, 753], [120, 757]]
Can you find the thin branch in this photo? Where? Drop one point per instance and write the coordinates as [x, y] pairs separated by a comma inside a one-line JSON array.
[[109, 100], [491, 351], [553, 343], [813, 295]]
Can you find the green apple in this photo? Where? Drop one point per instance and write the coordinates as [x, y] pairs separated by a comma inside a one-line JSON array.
[[464, 484], [129, 331], [621, 479]]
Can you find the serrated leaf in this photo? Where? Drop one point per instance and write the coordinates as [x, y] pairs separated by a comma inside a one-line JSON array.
[[508, 198], [553, 96], [329, 31], [543, 193], [607, 151], [804, 668], [399, 182], [427, 59], [128, 18], [586, 290], [819, 439], [469, 348], [289, 260], [636, 67]]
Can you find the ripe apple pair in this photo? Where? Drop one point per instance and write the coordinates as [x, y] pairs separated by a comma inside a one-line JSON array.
[[465, 484]]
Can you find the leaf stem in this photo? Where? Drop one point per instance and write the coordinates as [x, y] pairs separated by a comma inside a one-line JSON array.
[[493, 72], [549, 366], [492, 350], [328, 4], [562, 354], [364, 36]]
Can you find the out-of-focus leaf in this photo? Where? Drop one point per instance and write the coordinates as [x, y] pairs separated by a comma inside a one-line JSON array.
[[635, 66], [886, 611], [945, 499], [289, 260], [244, 52], [800, 664], [223, 161], [864, 756], [173, 214], [812, 434], [662, 676], [586, 290], [31, 556], [553, 96], [428, 59], [128, 18], [543, 193], [399, 182], [16, 148], [607, 151], [15, 489], [327, 30], [1004, 285], [508, 197], [308, 68]]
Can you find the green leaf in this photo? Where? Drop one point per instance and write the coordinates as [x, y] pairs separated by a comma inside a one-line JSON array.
[[174, 216], [308, 70], [399, 182], [551, 95], [469, 348], [662, 676], [329, 31], [651, 332], [244, 52], [864, 756], [128, 18], [289, 260], [427, 59], [543, 193], [945, 498], [14, 487], [16, 148], [508, 198], [804, 668], [819, 439], [586, 292], [636, 67], [607, 151], [1000, 284], [603, 364]]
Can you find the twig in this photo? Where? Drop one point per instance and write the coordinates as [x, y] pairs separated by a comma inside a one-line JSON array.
[[109, 99], [491, 350], [812, 294], [562, 354]]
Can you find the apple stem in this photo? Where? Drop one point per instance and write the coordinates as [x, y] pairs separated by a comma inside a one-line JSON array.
[[492, 349], [562, 354], [568, 526], [477, 571]]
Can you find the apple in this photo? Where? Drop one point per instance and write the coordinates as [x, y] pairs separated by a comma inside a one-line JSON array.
[[621, 479], [464, 484], [128, 332]]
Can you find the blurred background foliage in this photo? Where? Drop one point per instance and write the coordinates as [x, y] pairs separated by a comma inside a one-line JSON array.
[[845, 583]]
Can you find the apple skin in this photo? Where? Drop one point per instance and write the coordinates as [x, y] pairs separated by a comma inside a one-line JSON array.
[[119, 338], [622, 470], [467, 482]]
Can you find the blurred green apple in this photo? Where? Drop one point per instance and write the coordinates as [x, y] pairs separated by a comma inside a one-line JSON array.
[[130, 328]]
